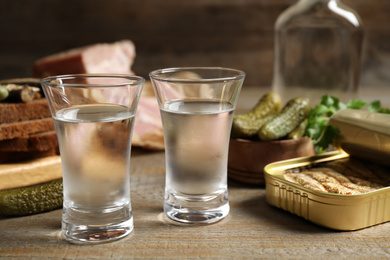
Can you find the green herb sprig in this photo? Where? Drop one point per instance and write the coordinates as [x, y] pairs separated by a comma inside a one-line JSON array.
[[318, 129]]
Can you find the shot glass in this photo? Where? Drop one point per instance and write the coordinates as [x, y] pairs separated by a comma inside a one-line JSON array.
[[196, 106], [94, 118]]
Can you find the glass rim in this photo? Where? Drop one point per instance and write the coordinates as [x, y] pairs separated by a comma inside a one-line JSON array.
[[156, 74], [133, 80]]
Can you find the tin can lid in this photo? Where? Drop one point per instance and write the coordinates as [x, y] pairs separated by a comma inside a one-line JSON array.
[[363, 134]]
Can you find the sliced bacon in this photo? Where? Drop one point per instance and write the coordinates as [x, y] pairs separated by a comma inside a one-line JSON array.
[[114, 57], [148, 131]]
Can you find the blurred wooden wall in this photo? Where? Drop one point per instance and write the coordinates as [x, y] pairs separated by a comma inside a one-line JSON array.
[[231, 33]]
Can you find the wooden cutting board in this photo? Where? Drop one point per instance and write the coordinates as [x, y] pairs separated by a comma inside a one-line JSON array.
[[16, 175]]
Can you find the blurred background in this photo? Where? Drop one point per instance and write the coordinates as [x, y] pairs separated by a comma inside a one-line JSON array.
[[170, 33]]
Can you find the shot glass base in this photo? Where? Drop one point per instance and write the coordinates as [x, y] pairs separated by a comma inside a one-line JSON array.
[[101, 228], [196, 210], [88, 235]]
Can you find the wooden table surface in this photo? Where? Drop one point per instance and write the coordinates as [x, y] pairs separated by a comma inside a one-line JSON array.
[[253, 229]]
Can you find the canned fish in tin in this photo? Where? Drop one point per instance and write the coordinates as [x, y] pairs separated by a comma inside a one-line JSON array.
[[340, 208]]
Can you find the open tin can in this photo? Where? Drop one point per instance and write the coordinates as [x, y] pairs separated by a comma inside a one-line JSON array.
[[335, 211], [364, 143]]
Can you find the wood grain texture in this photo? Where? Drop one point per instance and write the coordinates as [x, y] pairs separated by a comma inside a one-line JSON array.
[[173, 33], [253, 229]]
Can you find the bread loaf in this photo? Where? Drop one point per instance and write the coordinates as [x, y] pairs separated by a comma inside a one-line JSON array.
[[26, 128]]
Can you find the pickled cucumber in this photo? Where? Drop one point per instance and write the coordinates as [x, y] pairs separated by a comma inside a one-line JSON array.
[[32, 199], [292, 114], [244, 128], [299, 131], [3, 92], [248, 125]]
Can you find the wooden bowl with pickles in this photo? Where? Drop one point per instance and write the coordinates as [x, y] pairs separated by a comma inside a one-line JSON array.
[[268, 133]]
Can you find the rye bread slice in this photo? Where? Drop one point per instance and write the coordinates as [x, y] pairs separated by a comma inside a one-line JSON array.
[[35, 142], [25, 128], [18, 112]]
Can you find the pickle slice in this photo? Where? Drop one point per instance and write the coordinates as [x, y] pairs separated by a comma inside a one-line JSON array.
[[32, 199]]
